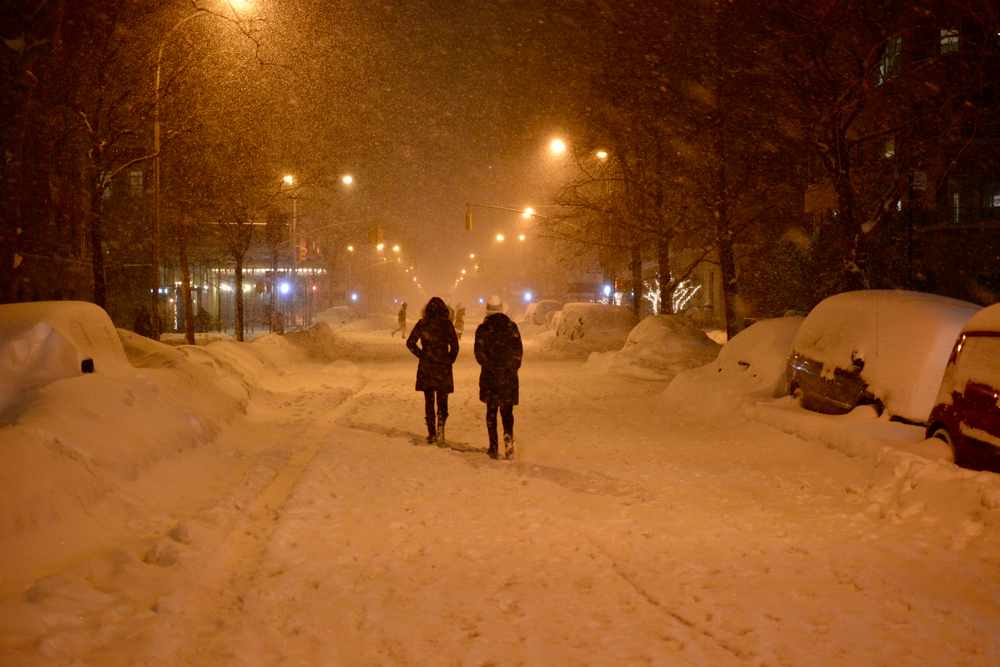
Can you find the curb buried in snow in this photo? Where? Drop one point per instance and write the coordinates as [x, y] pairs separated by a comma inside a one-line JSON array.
[[892, 447]]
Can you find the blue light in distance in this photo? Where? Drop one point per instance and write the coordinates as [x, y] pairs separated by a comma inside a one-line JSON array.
[[607, 290], [354, 297], [527, 297], [285, 288]]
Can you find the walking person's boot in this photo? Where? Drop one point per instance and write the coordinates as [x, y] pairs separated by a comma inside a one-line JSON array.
[[508, 445], [440, 433], [431, 433], [494, 447]]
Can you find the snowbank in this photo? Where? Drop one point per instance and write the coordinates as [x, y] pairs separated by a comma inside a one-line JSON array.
[[586, 328], [78, 438], [749, 367], [658, 348], [903, 338], [911, 477]]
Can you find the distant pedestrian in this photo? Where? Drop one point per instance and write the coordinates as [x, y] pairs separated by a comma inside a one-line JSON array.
[[459, 320], [401, 318], [143, 323], [499, 351], [434, 342]]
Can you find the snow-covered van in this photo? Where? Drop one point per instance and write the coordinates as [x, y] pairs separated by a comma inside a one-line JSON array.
[[884, 347], [967, 411]]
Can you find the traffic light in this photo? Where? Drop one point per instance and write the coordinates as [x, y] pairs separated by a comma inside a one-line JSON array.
[[468, 218]]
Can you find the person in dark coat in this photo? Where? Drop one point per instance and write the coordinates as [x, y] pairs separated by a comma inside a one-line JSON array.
[[459, 320], [498, 350], [401, 320], [434, 342]]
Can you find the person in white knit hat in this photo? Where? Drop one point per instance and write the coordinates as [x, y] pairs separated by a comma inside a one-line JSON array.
[[499, 351]]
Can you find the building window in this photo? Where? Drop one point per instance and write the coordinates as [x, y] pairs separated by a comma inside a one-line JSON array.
[[135, 183], [949, 41], [891, 65], [889, 151], [956, 208]]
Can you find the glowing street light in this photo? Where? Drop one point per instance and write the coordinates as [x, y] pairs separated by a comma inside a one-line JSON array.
[[528, 212], [348, 180], [557, 146], [602, 154], [499, 237]]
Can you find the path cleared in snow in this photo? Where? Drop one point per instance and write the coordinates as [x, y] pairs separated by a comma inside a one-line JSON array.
[[621, 534]]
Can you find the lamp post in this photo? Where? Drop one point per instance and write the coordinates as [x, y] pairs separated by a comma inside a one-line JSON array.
[[156, 171], [294, 243]]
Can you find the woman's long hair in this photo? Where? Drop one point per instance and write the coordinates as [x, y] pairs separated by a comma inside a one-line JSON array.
[[436, 309]]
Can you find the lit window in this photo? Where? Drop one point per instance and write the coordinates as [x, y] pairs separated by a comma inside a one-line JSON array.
[[891, 65], [949, 41], [135, 183], [956, 207]]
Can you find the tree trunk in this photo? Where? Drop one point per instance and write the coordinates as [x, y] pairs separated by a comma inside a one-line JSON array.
[[239, 299], [666, 282], [724, 246], [97, 246], [856, 273], [185, 279], [10, 214], [638, 285]]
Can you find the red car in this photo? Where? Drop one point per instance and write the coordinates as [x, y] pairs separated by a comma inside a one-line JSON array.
[[966, 414]]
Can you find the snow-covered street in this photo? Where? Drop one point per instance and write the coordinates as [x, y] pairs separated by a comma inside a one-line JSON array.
[[321, 529]]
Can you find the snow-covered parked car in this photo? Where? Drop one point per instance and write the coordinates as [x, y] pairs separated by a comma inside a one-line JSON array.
[[578, 319], [335, 317], [753, 365], [45, 341], [659, 347], [882, 347], [966, 414], [585, 328], [538, 312]]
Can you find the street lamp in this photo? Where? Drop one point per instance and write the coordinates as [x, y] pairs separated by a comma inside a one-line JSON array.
[[557, 146], [156, 169], [236, 6]]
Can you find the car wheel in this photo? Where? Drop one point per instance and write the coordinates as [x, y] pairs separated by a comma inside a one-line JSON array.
[[795, 391], [942, 433]]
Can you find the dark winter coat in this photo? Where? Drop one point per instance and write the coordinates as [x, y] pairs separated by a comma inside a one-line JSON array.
[[437, 349], [499, 351]]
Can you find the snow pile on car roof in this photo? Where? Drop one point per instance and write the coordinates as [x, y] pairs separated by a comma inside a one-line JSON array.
[[903, 338], [750, 366], [658, 348], [46, 341]]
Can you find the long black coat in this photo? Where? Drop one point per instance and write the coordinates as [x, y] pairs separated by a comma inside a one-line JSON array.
[[499, 351], [437, 348]]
